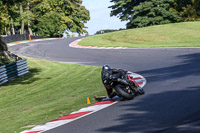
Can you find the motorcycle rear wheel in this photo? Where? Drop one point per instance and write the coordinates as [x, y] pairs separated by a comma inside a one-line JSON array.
[[120, 89]]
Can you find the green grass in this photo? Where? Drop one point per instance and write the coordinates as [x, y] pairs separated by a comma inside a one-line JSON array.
[[50, 91], [185, 34]]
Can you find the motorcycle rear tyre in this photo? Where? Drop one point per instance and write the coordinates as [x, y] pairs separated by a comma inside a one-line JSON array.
[[120, 90]]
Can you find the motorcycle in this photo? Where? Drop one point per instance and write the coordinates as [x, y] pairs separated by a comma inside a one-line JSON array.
[[122, 82]]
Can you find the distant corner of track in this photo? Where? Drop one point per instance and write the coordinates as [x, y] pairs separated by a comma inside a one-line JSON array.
[[28, 41], [74, 44]]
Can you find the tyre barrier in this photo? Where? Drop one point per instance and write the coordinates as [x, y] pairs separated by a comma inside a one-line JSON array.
[[13, 70]]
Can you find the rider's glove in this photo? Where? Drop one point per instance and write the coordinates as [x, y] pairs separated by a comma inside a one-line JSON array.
[[112, 78]]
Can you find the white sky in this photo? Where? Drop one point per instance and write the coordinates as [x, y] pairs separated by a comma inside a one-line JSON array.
[[100, 16]]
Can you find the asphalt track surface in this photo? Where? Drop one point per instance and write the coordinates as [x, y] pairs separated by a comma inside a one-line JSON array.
[[172, 100]]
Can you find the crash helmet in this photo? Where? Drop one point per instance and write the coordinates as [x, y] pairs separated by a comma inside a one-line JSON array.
[[106, 67]]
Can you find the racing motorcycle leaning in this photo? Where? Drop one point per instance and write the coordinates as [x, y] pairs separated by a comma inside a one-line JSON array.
[[121, 81]]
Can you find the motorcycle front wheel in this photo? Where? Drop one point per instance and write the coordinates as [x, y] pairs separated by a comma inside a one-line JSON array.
[[121, 90], [141, 91]]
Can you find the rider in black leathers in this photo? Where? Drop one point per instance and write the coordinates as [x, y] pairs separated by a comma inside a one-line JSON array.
[[108, 75]]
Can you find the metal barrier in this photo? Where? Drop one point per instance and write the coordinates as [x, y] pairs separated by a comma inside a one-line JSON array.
[[13, 70], [19, 37]]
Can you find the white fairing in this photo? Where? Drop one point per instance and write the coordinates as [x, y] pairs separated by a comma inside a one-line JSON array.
[[138, 78]]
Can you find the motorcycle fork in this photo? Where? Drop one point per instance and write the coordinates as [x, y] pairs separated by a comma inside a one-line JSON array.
[[129, 89], [135, 84]]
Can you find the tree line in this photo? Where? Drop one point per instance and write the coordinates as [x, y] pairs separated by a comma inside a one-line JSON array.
[[43, 17], [142, 13]]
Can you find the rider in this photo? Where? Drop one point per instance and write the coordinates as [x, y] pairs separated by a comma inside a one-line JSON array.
[[108, 75]]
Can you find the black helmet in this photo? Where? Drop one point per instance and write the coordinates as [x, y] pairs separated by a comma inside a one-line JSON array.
[[106, 67]]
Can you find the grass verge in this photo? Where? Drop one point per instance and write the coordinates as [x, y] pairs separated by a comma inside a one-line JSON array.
[[50, 91], [185, 34]]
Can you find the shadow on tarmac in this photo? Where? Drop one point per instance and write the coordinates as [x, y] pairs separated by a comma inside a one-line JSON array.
[[175, 109], [149, 115], [190, 66]]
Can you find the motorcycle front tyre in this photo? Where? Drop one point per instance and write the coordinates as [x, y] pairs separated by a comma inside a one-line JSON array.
[[120, 90], [141, 91]]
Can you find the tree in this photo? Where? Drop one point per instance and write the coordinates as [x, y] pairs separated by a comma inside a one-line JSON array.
[[49, 25], [70, 15], [141, 13], [188, 10], [28, 15], [124, 8], [153, 12], [5, 14]]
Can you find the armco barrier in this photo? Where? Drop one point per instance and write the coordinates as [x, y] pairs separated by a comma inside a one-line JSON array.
[[19, 37], [13, 70]]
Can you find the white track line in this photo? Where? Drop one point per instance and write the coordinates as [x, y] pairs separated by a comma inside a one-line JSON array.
[[57, 123]]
